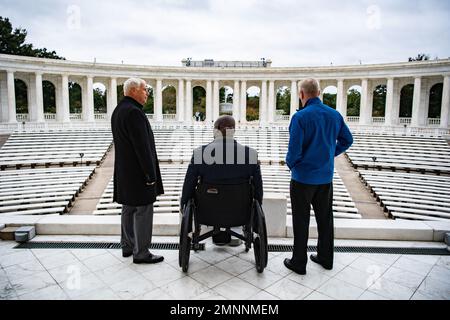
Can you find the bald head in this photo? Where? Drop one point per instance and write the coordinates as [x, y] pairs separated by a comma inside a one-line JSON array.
[[309, 88], [225, 125]]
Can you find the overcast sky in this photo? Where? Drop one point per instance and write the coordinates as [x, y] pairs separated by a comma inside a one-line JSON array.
[[290, 32]]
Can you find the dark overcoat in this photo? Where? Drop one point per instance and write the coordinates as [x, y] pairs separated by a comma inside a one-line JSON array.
[[136, 164]]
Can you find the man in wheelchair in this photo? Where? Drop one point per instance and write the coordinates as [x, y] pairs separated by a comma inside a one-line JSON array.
[[223, 189]]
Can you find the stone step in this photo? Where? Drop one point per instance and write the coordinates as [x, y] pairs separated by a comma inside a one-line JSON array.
[[168, 225]]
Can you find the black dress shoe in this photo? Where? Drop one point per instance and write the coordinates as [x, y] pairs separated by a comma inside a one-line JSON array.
[[150, 259], [315, 258], [126, 253], [288, 263]]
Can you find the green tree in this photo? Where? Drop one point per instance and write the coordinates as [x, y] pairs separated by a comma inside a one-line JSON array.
[[75, 100], [12, 41], [406, 101], [99, 100], [252, 108], [434, 110], [379, 101], [49, 97], [284, 100], [199, 100], [353, 103], [330, 99], [21, 96], [169, 100]]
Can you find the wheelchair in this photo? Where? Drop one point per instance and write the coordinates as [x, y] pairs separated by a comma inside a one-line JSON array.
[[221, 205]]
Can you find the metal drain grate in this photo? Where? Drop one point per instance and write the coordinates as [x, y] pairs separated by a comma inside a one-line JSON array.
[[385, 250], [272, 248], [93, 245]]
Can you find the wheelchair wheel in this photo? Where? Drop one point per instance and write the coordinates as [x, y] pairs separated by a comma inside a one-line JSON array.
[[185, 241], [260, 241]]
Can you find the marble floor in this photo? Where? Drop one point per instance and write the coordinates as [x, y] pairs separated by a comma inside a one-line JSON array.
[[216, 273]]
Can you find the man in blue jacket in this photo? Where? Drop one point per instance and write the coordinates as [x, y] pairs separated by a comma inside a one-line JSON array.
[[318, 134]]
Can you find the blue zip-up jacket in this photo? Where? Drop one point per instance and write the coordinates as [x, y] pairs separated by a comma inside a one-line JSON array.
[[317, 133]]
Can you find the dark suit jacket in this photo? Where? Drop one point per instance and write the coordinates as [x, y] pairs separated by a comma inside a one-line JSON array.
[[136, 162], [230, 162]]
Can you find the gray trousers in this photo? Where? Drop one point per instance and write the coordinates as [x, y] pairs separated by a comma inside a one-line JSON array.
[[137, 227]]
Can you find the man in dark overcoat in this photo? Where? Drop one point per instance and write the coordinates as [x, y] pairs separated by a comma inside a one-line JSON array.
[[137, 177]]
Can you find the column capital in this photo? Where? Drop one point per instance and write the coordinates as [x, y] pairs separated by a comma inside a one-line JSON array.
[[10, 70], [39, 73]]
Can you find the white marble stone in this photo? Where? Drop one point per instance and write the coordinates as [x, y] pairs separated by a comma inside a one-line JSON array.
[[83, 254], [235, 265], [370, 266], [101, 262], [132, 287], [260, 280], [345, 258], [236, 289], [405, 278], [68, 272], [440, 273], [99, 294], [163, 274], [391, 290], [414, 266], [435, 289], [184, 288], [116, 274], [385, 259], [367, 295], [57, 260], [274, 207], [340, 290], [313, 279], [287, 289], [195, 264], [209, 295], [22, 270], [82, 285], [32, 283], [211, 276], [358, 278], [156, 294], [263, 295], [318, 296], [7, 291], [53, 292], [15, 257], [213, 255]]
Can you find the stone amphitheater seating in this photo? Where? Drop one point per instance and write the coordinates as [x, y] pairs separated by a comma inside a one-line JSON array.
[[402, 153], [55, 148], [275, 179], [41, 191], [410, 196]]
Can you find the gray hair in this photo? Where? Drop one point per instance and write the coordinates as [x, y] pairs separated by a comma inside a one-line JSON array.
[[310, 87], [132, 83]]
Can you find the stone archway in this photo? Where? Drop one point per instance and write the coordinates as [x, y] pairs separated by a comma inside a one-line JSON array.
[[354, 101], [330, 96]]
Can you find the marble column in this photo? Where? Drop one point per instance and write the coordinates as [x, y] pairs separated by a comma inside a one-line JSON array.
[[216, 101], [180, 101], [263, 103], [236, 100], [3, 98], [209, 99], [189, 106], [392, 103], [36, 98], [294, 98], [419, 118], [243, 102], [158, 102], [271, 102], [445, 108], [365, 114], [88, 103], [321, 90], [341, 103], [11, 97], [111, 102], [62, 96]]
